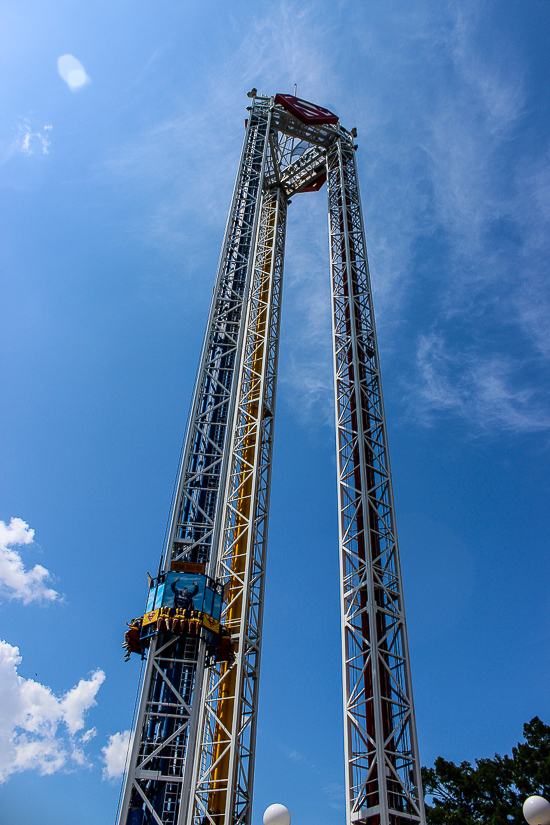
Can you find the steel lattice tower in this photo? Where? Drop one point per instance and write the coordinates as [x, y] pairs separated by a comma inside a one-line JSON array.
[[192, 759]]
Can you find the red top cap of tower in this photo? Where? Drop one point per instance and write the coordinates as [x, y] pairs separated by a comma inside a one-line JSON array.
[[305, 111]]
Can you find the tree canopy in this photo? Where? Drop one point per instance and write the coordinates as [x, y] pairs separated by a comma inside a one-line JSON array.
[[493, 791]]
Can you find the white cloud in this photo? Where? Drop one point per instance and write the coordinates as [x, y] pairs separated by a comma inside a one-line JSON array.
[[115, 754], [88, 735], [434, 161], [38, 729], [27, 139], [15, 581], [288, 43], [336, 795], [72, 71], [487, 392], [306, 352], [456, 208]]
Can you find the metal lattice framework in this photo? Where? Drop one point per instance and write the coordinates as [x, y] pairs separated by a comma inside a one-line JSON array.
[[383, 770], [223, 786], [192, 759], [157, 779]]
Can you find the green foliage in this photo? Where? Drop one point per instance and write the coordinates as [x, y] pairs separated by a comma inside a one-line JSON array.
[[492, 792]]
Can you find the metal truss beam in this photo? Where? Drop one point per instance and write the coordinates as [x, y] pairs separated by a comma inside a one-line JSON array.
[[292, 163], [285, 124], [193, 529], [158, 769], [225, 756], [383, 784]]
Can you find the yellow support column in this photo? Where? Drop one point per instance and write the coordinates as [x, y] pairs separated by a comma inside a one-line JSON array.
[[228, 709]]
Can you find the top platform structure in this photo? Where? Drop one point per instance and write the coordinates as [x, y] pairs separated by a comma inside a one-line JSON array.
[[308, 113], [300, 134]]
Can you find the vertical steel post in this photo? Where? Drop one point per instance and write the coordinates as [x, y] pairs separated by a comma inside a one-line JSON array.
[[383, 785], [224, 761]]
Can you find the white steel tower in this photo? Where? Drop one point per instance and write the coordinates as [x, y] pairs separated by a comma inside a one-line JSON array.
[[192, 759]]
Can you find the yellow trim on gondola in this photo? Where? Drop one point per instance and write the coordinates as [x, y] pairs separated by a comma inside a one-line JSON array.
[[149, 618], [210, 623]]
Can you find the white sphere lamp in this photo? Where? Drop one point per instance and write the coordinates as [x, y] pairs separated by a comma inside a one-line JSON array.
[[278, 815], [536, 810]]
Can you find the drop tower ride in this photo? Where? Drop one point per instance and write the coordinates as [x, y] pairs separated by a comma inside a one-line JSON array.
[[192, 758]]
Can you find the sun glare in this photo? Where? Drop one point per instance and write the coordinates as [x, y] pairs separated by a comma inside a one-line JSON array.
[[72, 71]]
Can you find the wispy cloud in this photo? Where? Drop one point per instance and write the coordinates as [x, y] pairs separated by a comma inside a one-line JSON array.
[[334, 791], [191, 156], [306, 351], [490, 392], [336, 795], [15, 581], [457, 220], [28, 140], [39, 730], [457, 213]]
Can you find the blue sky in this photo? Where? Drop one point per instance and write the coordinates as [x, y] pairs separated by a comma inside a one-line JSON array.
[[114, 200]]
